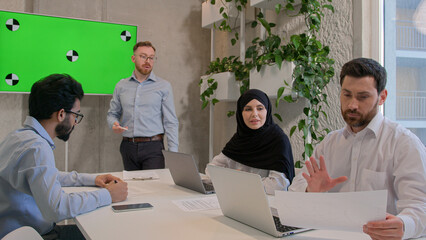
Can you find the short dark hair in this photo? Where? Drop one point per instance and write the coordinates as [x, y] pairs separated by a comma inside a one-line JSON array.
[[143, 44], [53, 93], [363, 67]]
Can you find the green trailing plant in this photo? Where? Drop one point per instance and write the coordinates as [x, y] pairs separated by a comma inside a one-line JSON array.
[[225, 25], [266, 51], [313, 71], [226, 64], [313, 68]]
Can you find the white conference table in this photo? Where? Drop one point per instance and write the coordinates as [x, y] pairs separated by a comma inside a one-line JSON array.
[[167, 221]]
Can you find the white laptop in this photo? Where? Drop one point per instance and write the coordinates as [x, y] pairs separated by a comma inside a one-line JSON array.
[[184, 171], [242, 197]]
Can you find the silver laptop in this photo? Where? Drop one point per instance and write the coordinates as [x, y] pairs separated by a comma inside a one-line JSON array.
[[242, 197], [184, 171]]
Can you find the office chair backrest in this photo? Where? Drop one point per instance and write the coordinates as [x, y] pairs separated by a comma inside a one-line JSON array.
[[23, 233]]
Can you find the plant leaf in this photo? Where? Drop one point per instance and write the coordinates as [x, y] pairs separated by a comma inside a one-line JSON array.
[[278, 57], [314, 136], [289, 6], [280, 92], [230, 113], [278, 116], [306, 111], [305, 132], [214, 101], [278, 8], [301, 124], [214, 86], [288, 98], [295, 39], [205, 103], [265, 24], [329, 6], [309, 149], [316, 124], [292, 130]]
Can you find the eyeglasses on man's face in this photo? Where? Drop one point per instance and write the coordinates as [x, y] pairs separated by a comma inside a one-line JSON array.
[[78, 116], [145, 58]]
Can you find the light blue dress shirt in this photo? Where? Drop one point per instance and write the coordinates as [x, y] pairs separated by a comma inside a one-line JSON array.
[[146, 108], [31, 186]]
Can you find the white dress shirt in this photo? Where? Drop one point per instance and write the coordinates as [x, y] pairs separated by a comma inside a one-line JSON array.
[[272, 180], [383, 156]]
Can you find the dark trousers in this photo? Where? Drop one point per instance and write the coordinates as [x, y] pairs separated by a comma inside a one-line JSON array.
[[142, 155], [64, 232]]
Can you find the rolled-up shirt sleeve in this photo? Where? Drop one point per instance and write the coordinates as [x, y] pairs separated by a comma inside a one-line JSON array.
[[275, 181], [272, 180]]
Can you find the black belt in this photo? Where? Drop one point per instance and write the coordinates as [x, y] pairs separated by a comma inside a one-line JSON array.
[[158, 137]]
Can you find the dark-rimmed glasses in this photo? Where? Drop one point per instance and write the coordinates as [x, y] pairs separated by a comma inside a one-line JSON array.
[[78, 116], [145, 58]]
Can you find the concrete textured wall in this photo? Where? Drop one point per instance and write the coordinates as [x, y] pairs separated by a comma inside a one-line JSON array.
[[183, 50]]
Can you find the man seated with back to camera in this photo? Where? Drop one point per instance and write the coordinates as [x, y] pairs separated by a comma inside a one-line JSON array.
[[30, 184]]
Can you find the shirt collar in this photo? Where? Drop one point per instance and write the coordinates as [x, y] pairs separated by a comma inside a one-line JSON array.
[[375, 123], [373, 126], [151, 77], [32, 123]]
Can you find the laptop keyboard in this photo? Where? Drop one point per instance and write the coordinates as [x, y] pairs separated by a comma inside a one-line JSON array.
[[282, 228], [208, 186]]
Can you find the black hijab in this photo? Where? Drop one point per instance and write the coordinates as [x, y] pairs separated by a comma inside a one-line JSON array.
[[267, 147]]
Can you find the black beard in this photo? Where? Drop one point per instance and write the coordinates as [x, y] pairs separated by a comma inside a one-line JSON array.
[[64, 132], [66, 136]]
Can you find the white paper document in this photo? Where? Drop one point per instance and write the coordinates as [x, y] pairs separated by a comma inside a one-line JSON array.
[[347, 211], [197, 204], [139, 175]]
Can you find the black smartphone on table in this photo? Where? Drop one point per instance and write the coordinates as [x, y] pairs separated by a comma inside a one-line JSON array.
[[131, 207]]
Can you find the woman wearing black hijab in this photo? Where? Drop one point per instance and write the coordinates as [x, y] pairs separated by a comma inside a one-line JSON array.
[[259, 145]]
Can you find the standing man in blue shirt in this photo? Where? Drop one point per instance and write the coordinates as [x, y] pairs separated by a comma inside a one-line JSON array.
[[142, 110], [30, 185]]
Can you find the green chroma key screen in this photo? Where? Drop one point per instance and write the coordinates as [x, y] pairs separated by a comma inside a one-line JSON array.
[[97, 54]]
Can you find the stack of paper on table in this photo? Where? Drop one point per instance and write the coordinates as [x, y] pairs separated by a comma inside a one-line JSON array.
[[346, 211], [139, 175]]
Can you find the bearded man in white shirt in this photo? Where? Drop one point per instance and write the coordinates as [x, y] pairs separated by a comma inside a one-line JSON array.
[[371, 153]]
